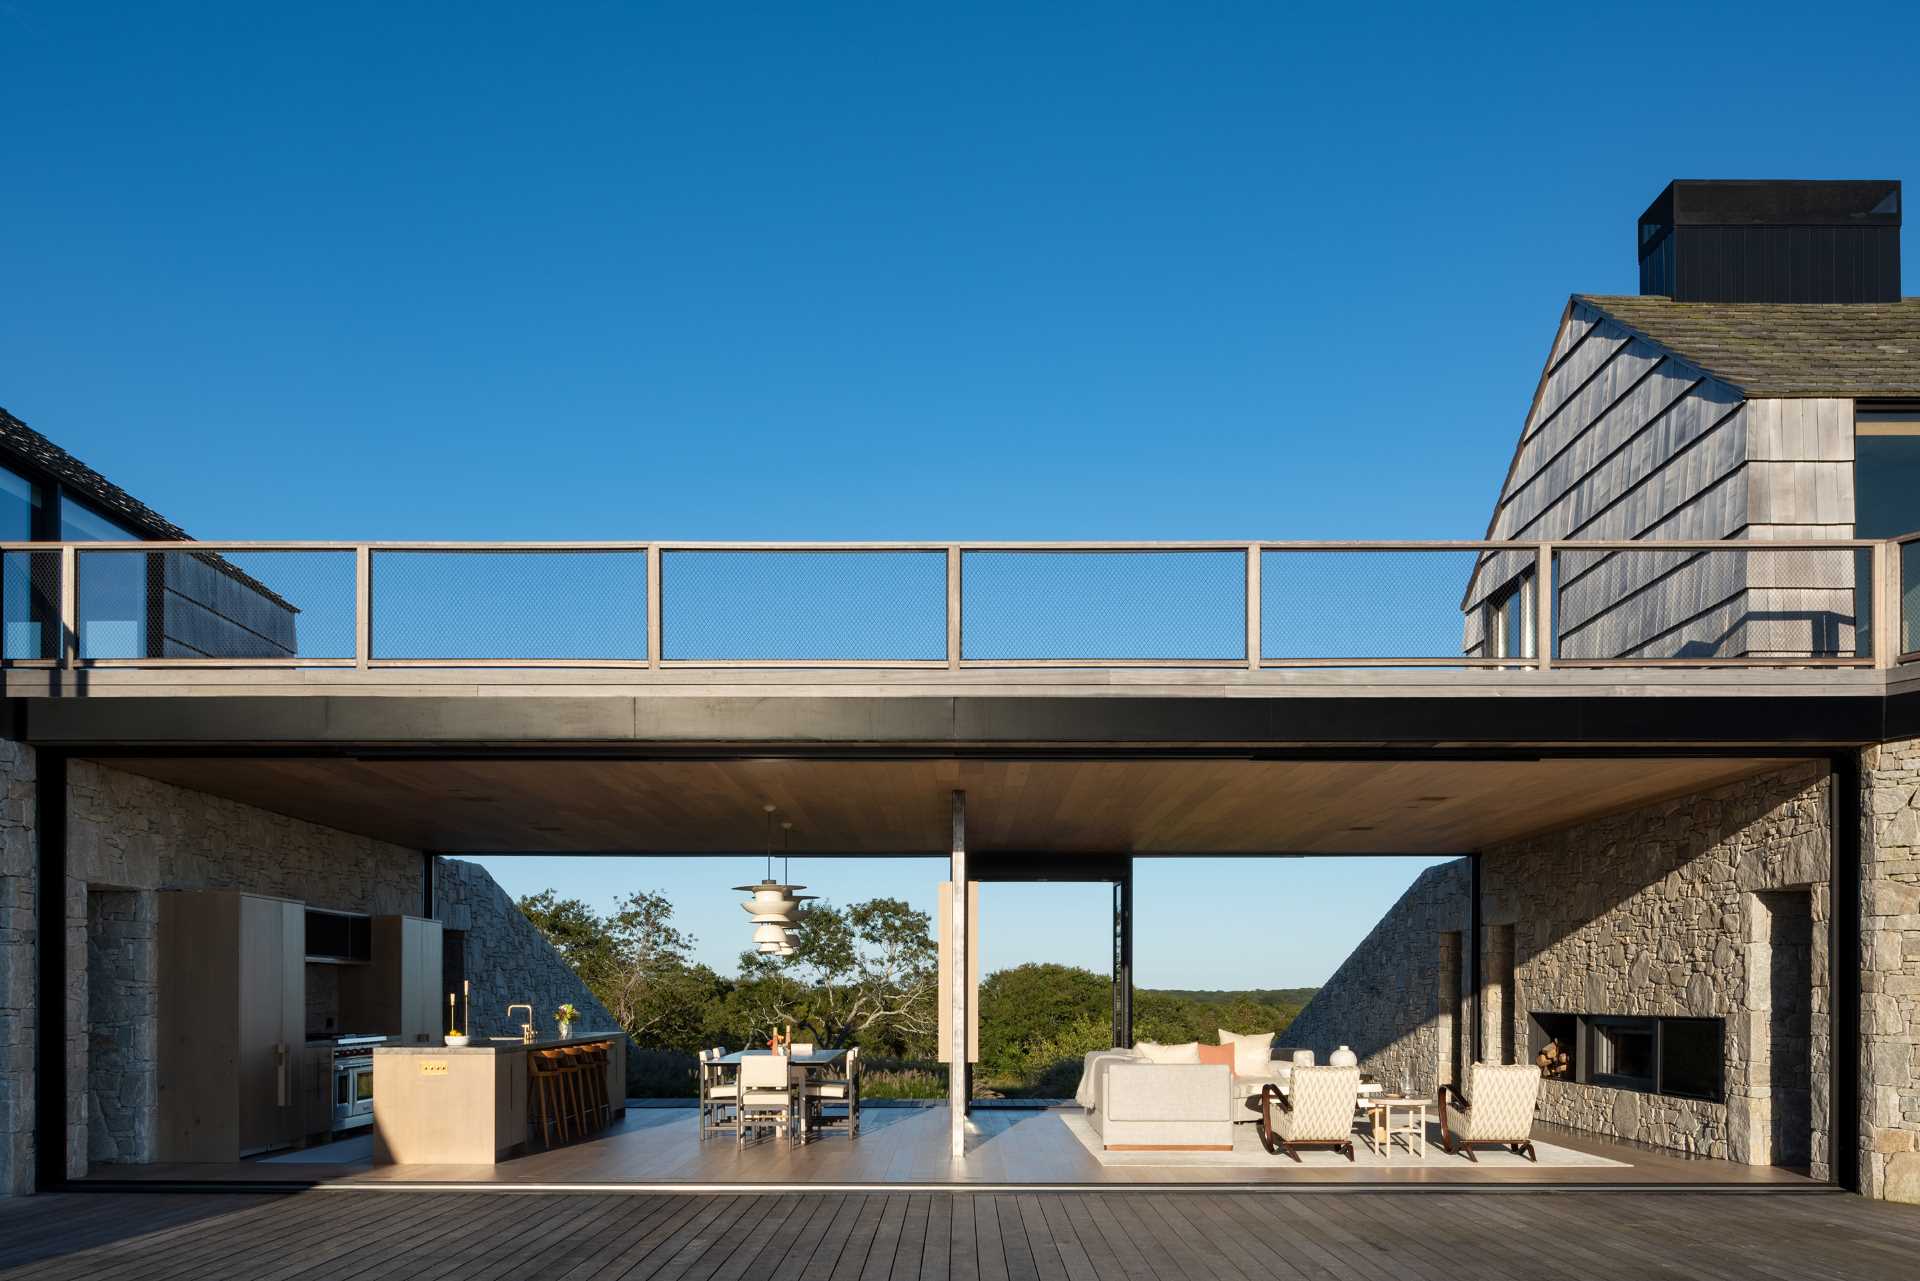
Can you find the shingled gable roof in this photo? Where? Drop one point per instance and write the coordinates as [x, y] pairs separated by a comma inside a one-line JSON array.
[[1783, 350], [22, 441]]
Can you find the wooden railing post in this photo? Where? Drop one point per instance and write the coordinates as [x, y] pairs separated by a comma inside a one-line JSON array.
[[1883, 603], [1543, 630], [953, 607], [1253, 605], [653, 606], [69, 606], [363, 606]]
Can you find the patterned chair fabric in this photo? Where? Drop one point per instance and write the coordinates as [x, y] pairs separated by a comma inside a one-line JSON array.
[[1497, 1108], [1316, 1111], [1322, 1100]]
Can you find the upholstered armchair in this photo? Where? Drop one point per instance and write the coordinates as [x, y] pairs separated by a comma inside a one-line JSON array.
[[1315, 1111], [1497, 1107]]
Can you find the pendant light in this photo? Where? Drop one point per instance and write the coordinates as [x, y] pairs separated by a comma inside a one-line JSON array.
[[772, 907]]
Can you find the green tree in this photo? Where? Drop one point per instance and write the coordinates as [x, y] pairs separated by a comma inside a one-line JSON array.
[[864, 974], [633, 961], [1029, 1005]]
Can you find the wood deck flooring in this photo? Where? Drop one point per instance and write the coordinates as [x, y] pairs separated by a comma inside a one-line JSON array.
[[1120, 1235], [907, 1146]]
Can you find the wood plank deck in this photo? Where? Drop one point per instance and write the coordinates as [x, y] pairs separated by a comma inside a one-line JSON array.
[[908, 1146], [1119, 1235]]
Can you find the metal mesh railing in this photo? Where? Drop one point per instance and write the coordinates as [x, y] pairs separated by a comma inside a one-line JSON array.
[[1352, 605], [867, 605], [30, 586], [1104, 606], [778, 606], [526, 605], [213, 604], [1908, 554], [1744, 601]]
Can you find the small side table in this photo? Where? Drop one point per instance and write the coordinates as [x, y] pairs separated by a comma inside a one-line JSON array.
[[1410, 1125]]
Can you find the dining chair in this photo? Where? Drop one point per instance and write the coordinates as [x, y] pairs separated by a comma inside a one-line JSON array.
[[800, 1047], [844, 1088], [719, 1092], [766, 1096]]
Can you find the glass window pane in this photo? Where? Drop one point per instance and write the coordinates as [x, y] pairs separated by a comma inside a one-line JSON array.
[[28, 605], [1690, 1057], [81, 524], [1886, 475], [18, 499]]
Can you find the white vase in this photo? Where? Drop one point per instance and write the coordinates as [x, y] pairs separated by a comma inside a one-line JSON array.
[[566, 1030], [1343, 1057]]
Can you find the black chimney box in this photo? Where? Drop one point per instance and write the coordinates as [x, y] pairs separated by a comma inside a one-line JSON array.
[[1767, 241]]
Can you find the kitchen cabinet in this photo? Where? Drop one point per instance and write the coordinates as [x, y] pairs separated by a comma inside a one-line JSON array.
[[231, 1025], [316, 1090], [398, 993]]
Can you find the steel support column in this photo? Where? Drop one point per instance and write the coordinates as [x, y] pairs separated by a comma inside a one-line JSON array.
[[1123, 956], [958, 1074], [1475, 966], [50, 1016], [1844, 1122]]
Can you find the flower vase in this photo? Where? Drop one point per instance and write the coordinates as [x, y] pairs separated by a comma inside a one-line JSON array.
[[566, 1029]]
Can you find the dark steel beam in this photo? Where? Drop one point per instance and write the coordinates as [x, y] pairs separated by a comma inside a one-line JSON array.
[[747, 726], [50, 1014], [1844, 1124]]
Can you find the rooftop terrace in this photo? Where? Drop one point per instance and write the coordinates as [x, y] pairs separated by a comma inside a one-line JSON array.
[[649, 608]]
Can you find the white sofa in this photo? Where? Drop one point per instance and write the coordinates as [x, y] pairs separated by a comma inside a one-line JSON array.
[[1132, 1104]]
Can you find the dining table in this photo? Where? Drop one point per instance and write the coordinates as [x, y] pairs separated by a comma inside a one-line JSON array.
[[814, 1063], [814, 1059]]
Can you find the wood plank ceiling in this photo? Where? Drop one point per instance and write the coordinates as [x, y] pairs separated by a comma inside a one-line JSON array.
[[1182, 806]]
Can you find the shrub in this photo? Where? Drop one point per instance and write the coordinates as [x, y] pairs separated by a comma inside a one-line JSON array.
[[662, 1074]]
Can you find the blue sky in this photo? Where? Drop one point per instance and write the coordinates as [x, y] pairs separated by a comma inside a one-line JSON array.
[[1198, 923], [473, 271]]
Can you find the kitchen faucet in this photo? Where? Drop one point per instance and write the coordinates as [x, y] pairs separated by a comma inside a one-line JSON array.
[[526, 1029]]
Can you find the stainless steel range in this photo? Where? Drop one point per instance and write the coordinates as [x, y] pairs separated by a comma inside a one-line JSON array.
[[353, 1080]]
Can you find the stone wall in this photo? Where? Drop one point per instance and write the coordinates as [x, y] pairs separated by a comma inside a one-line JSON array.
[[1665, 910], [122, 1000], [1890, 978], [130, 832], [1658, 911], [1385, 999], [128, 838], [508, 959], [19, 874]]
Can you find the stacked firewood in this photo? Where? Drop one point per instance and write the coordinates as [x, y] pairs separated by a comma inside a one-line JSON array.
[[1553, 1061]]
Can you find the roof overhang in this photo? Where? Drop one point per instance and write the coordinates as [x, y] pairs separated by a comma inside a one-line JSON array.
[[1169, 806]]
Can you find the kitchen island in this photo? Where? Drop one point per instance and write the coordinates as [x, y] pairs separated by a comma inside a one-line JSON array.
[[467, 1104]]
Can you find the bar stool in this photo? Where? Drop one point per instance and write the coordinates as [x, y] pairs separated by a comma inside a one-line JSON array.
[[546, 1081], [593, 1080], [573, 1072]]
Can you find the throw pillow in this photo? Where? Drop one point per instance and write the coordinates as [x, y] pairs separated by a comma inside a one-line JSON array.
[[1220, 1054], [1252, 1052], [1151, 1052]]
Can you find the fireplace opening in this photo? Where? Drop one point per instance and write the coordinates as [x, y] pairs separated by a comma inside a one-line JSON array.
[[1680, 1056], [1555, 1041], [1622, 1053]]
